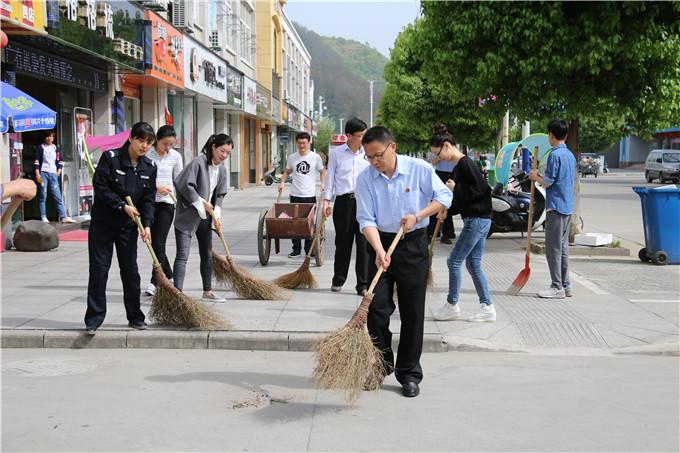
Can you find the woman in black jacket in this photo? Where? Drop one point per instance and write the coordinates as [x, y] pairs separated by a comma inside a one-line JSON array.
[[472, 195], [122, 172]]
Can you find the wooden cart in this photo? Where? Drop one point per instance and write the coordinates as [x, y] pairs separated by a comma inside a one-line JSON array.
[[290, 221]]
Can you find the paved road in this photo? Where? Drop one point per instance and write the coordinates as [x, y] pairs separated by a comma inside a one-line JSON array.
[[142, 400]]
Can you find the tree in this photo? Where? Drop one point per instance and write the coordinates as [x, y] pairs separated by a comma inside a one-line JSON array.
[[412, 102], [324, 132], [575, 60]]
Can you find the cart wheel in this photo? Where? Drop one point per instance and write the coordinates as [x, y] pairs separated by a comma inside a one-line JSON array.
[[659, 258], [320, 247], [642, 254], [264, 244]]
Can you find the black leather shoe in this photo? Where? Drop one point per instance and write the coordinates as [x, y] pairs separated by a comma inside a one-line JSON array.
[[446, 241], [410, 390]]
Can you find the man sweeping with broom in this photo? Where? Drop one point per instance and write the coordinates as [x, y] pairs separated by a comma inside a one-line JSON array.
[[398, 190]]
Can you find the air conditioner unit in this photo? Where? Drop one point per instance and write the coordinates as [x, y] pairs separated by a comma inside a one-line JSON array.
[[180, 16], [155, 5], [216, 40]]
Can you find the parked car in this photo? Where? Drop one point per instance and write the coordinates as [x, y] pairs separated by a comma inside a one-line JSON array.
[[664, 165]]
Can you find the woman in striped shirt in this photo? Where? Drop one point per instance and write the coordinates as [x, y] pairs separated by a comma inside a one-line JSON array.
[[169, 164]]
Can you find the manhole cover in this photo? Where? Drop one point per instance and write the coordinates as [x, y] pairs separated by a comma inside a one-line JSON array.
[[47, 367]]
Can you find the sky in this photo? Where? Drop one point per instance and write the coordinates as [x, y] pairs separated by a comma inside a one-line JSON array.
[[375, 22]]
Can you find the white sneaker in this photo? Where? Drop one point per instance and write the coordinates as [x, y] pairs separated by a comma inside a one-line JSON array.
[[552, 293], [448, 312], [68, 220], [487, 313], [210, 296], [45, 219], [150, 290]]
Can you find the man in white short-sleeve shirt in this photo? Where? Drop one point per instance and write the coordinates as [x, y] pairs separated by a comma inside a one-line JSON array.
[[303, 165]]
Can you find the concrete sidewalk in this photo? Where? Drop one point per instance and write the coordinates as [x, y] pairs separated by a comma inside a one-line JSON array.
[[620, 305]]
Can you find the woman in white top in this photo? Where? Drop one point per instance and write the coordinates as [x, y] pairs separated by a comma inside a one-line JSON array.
[[169, 165], [48, 165], [201, 187]]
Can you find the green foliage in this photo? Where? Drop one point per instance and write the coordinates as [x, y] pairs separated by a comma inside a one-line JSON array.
[[341, 69], [578, 60], [414, 102], [323, 135]]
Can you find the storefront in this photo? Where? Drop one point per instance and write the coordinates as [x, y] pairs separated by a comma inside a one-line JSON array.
[[70, 71], [264, 124], [249, 135]]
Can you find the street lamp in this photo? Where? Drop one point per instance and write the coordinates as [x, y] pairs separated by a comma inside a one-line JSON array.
[[341, 120], [370, 84]]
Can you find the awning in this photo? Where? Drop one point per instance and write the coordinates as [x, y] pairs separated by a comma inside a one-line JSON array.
[[23, 112]]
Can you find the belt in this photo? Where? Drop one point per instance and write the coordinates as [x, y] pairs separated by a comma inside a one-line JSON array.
[[410, 235], [346, 195]]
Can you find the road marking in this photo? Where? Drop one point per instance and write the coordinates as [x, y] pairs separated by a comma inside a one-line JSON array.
[[655, 301], [589, 285]]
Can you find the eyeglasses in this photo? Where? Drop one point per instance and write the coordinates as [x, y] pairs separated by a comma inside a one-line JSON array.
[[438, 152], [378, 157]]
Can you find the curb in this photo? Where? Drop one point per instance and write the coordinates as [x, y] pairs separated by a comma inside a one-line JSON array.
[[575, 250], [181, 339]]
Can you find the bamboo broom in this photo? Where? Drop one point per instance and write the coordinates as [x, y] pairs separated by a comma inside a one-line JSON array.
[[171, 306], [346, 358], [303, 277], [245, 284]]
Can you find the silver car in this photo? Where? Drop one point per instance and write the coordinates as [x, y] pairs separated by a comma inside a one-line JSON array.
[[664, 165]]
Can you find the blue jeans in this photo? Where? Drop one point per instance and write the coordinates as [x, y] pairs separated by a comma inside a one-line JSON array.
[[469, 248], [51, 182]]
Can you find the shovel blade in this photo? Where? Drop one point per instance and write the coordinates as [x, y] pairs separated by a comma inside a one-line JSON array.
[[520, 281]]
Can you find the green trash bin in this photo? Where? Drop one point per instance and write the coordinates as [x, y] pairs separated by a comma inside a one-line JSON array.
[[492, 176]]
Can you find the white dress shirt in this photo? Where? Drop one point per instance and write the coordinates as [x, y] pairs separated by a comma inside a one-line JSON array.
[[213, 171], [344, 166]]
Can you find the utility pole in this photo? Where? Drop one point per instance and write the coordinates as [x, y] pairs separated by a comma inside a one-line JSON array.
[[505, 128], [341, 120], [321, 102], [370, 84]]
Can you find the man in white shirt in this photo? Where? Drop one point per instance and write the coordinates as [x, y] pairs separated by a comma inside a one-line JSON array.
[[345, 163], [303, 165]]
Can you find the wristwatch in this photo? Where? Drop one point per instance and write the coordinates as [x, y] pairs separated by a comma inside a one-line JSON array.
[[418, 219]]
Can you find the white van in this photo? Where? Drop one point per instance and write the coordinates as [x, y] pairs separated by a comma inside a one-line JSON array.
[[663, 164]]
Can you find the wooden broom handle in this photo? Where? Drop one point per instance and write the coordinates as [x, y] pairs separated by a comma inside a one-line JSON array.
[[138, 221], [221, 235], [7, 215], [436, 232], [393, 245], [317, 234], [530, 220]]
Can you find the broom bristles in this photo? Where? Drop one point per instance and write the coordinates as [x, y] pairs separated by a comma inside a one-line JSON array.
[[301, 278], [173, 308], [245, 284], [348, 360]]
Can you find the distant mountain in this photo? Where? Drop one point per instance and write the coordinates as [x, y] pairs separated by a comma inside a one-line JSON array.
[[341, 69]]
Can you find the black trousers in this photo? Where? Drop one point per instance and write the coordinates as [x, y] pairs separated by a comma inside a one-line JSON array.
[[164, 214], [408, 269], [101, 239], [347, 232], [447, 231], [297, 243]]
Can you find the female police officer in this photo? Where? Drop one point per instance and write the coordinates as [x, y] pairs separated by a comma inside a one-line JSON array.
[[121, 172]]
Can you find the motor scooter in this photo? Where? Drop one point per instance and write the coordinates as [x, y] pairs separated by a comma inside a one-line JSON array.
[[510, 207], [270, 178]]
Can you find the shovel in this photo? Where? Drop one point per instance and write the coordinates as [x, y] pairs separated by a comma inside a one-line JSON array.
[[523, 276]]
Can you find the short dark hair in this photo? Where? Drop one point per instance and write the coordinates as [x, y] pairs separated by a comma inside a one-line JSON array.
[[165, 131], [441, 135], [217, 140], [378, 134], [303, 136], [49, 133], [558, 128], [355, 125]]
